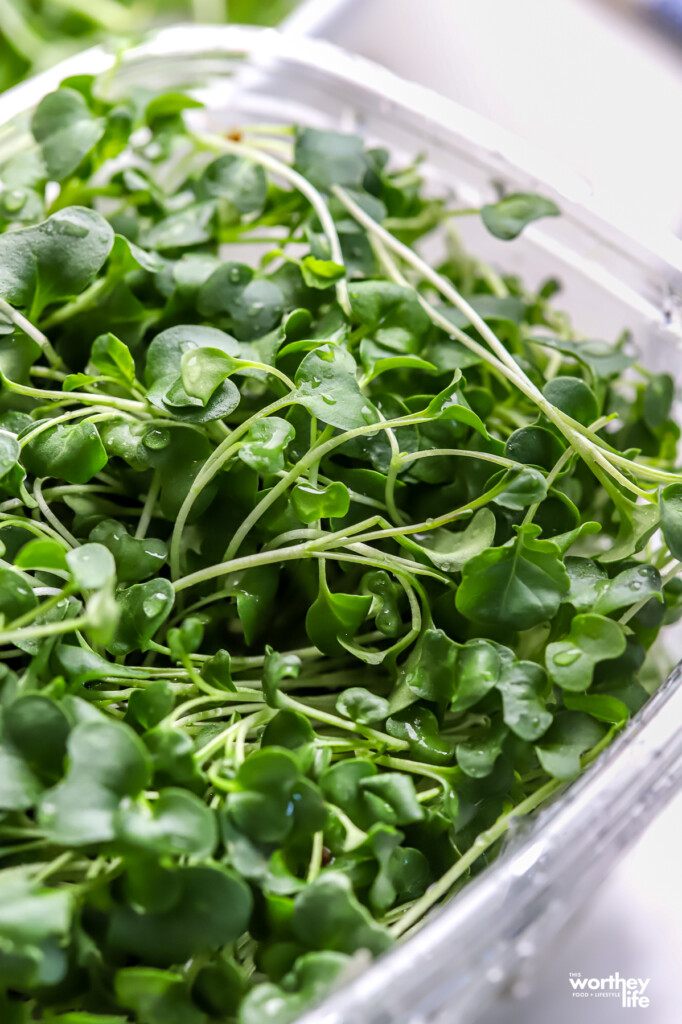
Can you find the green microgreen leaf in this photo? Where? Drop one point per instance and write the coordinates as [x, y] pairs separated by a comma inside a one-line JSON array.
[[508, 217], [143, 608], [55, 260], [518, 586], [671, 518], [66, 130], [592, 639], [265, 445], [570, 735], [313, 503], [329, 158], [326, 386], [321, 563], [74, 453], [321, 273], [135, 559]]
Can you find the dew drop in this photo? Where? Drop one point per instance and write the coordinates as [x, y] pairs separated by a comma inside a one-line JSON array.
[[153, 604], [74, 230], [156, 439], [15, 199], [566, 657]]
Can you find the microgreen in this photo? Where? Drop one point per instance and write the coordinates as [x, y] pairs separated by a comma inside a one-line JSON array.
[[317, 569]]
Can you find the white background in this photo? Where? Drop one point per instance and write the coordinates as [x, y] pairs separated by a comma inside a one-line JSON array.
[[602, 92]]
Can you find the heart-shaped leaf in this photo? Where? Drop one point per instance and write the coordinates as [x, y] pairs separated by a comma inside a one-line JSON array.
[[592, 638]]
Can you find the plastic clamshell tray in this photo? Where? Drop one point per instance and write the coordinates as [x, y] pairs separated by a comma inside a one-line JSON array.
[[614, 274]]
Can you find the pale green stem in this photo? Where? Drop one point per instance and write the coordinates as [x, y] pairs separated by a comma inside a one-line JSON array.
[[486, 839], [561, 462], [306, 189], [84, 397], [314, 455], [48, 629], [28, 328], [499, 460], [504, 362], [315, 865], [51, 517], [49, 424], [335, 722], [40, 609], [213, 464], [149, 506]]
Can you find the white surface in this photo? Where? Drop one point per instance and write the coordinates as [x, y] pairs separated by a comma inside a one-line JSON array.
[[604, 95], [588, 85]]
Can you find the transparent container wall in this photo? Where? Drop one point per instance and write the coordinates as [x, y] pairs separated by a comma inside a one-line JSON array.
[[614, 275]]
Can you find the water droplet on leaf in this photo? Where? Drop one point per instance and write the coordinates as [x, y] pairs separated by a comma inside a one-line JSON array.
[[566, 657], [156, 439], [153, 605], [15, 199]]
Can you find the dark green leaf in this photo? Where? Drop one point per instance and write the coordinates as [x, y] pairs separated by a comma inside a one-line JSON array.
[[521, 685], [329, 158], [362, 706], [313, 503], [73, 452], [326, 385], [602, 359], [177, 823], [627, 588], [112, 357], [525, 488], [477, 671], [671, 518], [55, 260], [135, 558], [211, 909], [570, 735], [658, 399], [328, 916], [143, 607], [517, 586], [252, 304], [508, 217], [107, 761], [264, 446], [321, 273], [477, 755], [592, 639], [572, 396], [241, 181], [334, 617], [66, 130], [430, 669], [158, 997], [313, 976]]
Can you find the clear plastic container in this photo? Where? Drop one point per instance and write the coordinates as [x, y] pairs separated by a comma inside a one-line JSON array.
[[615, 274]]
